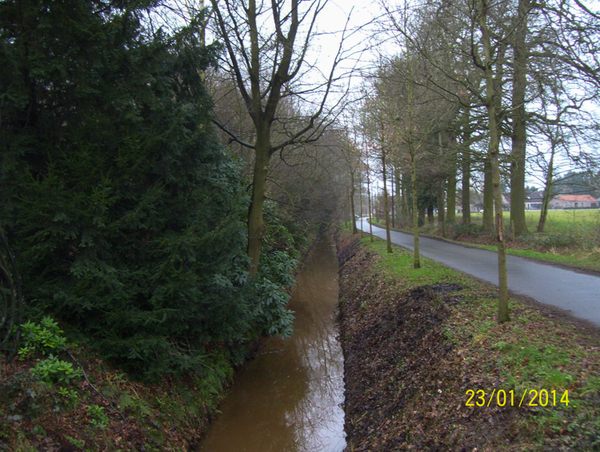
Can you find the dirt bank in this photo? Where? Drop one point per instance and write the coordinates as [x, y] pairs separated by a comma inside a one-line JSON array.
[[407, 373]]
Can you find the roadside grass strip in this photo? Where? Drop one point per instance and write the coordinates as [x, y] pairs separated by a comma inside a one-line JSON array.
[[542, 364]]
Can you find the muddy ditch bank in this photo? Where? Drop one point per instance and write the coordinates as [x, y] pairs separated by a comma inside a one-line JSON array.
[[405, 380]]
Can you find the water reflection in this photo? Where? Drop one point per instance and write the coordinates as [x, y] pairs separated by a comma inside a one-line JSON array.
[[289, 398]]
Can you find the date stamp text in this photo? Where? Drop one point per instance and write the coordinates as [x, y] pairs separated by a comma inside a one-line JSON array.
[[529, 398]]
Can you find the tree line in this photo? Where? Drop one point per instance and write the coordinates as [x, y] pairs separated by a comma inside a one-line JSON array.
[[491, 90]]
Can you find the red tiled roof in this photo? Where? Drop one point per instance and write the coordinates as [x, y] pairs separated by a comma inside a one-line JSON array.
[[576, 198]]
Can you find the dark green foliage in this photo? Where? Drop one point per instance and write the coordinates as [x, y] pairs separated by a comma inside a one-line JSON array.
[[54, 370], [469, 229], [43, 337], [126, 215]]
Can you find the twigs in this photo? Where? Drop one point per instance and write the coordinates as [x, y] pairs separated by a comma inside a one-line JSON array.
[[94, 387]]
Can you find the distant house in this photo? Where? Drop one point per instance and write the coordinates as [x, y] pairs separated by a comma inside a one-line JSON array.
[[506, 201], [534, 200], [573, 202]]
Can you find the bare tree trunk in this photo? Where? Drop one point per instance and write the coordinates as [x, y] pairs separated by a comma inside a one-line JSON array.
[[466, 186], [519, 138], [442, 208], [451, 202], [466, 169], [386, 205], [370, 206], [547, 192], [399, 195], [406, 214], [488, 194], [415, 209], [441, 194], [352, 208], [256, 227], [360, 196], [494, 151], [393, 203]]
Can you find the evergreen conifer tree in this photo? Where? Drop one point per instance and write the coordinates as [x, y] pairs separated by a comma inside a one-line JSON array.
[[126, 215]]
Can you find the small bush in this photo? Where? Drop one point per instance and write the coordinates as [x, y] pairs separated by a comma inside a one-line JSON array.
[[43, 337], [470, 229], [53, 370], [549, 241], [97, 416]]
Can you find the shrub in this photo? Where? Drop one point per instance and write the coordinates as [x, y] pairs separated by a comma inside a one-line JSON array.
[[97, 416], [53, 370], [470, 229], [549, 241], [43, 337]]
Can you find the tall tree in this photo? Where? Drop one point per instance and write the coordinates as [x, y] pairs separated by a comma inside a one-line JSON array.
[[267, 43], [519, 120], [487, 65]]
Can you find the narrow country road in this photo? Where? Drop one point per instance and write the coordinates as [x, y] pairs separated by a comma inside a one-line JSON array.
[[575, 292]]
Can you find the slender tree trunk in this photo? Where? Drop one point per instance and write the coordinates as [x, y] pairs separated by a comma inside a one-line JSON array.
[[256, 227], [494, 154], [441, 194], [488, 194], [547, 192], [466, 167], [386, 205], [399, 195], [415, 209], [360, 196], [519, 138], [352, 207], [406, 215], [370, 206], [451, 202], [393, 203], [442, 208], [413, 176], [466, 186]]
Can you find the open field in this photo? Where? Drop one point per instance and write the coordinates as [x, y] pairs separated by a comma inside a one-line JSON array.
[[573, 221], [571, 237]]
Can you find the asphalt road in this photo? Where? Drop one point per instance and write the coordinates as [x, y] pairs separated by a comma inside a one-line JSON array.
[[575, 292]]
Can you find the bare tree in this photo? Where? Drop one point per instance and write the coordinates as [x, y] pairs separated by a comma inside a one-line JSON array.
[[519, 120], [267, 46], [376, 129], [487, 65]]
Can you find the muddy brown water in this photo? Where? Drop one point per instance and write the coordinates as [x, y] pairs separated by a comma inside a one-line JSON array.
[[289, 398]]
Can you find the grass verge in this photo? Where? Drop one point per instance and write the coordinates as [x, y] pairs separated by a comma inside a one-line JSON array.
[[571, 240], [530, 384]]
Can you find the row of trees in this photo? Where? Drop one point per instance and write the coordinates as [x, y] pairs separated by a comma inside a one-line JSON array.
[[481, 87]]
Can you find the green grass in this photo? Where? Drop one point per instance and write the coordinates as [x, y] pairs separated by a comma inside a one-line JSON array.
[[558, 221], [571, 237], [399, 264]]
